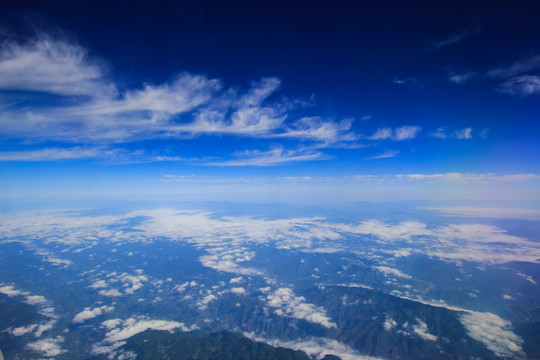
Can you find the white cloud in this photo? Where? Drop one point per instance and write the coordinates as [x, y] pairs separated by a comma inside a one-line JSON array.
[[518, 67], [287, 304], [132, 282], [493, 332], [203, 303], [528, 278], [468, 177], [238, 291], [52, 154], [110, 293], [236, 280], [89, 313], [10, 291], [462, 78], [421, 330], [35, 299], [491, 212], [120, 330], [457, 37], [315, 128], [413, 83], [52, 66], [523, 85], [403, 230], [465, 133], [316, 348], [99, 284], [389, 324], [398, 134], [439, 133], [386, 155], [406, 132], [381, 134], [275, 156], [22, 330], [91, 109], [391, 271], [49, 348], [44, 327], [133, 326]]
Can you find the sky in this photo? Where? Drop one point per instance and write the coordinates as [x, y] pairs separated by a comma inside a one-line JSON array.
[[270, 101]]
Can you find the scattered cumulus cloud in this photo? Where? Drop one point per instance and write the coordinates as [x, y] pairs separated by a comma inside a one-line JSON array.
[[421, 329], [23, 330], [89, 313], [393, 272], [49, 348], [110, 293], [287, 304]]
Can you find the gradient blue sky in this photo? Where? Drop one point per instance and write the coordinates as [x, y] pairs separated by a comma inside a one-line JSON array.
[[270, 100]]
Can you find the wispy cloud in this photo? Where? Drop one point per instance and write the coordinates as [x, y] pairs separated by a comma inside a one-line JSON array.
[[523, 85], [462, 78], [406, 132], [274, 156], [457, 36], [515, 78], [465, 133], [413, 83], [381, 134], [386, 155], [47, 65], [440, 133], [519, 67], [51, 154], [496, 213], [466, 178], [398, 134], [92, 109]]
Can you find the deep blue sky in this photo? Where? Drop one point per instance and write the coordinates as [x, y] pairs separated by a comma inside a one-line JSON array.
[[354, 100]]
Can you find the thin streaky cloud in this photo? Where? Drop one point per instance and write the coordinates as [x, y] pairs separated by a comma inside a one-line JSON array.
[[456, 37], [519, 67], [463, 77], [275, 156], [386, 155], [106, 115], [413, 83], [523, 85], [440, 133]]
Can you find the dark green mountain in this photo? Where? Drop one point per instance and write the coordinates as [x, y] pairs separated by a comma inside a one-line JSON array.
[[156, 345]]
